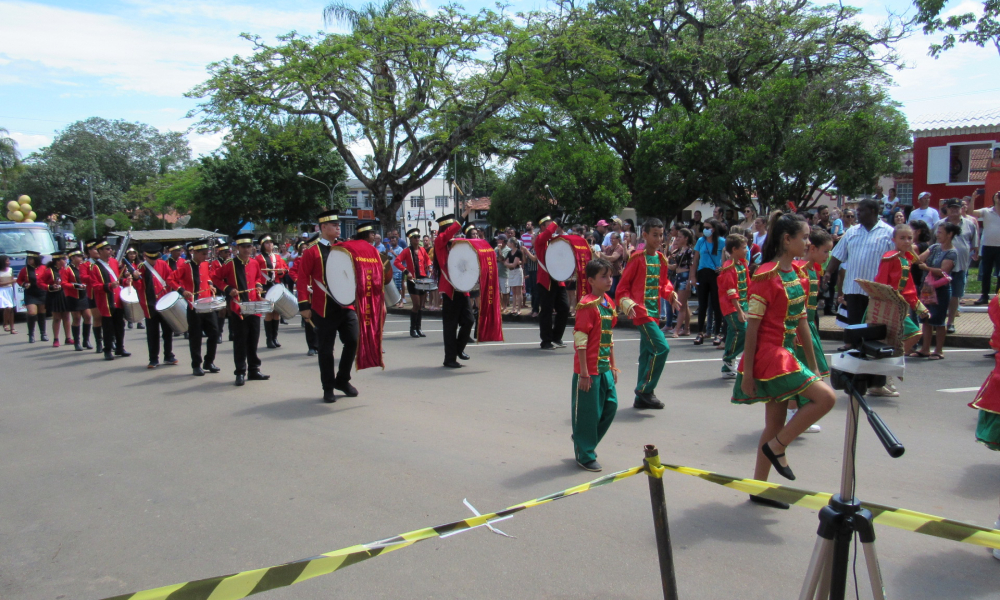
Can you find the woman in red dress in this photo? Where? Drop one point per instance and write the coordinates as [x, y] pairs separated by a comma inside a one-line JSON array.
[[769, 370]]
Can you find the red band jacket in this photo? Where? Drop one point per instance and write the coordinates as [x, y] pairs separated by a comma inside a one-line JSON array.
[[106, 286], [311, 268], [632, 286], [541, 245], [38, 273], [241, 276], [442, 246], [73, 277], [418, 270], [144, 278], [183, 279]]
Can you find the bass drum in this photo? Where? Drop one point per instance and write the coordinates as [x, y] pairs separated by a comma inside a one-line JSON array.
[[560, 260], [463, 266], [340, 276]]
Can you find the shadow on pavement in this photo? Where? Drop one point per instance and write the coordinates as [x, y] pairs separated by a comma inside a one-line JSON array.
[[297, 408], [714, 383], [632, 415], [971, 574], [429, 372], [566, 468], [203, 387], [979, 482], [744, 523]]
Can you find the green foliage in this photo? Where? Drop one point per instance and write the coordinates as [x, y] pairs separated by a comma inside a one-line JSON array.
[[584, 178], [10, 159], [174, 191], [84, 229], [255, 177], [408, 87], [964, 28], [112, 155]]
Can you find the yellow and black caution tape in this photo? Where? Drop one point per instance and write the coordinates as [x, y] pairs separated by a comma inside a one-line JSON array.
[[884, 515], [241, 585]]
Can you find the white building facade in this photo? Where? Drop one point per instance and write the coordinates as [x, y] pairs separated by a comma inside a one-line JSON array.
[[421, 208]]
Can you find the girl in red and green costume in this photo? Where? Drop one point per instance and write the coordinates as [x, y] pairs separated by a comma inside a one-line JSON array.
[[896, 271], [820, 244], [769, 371], [595, 399], [733, 288]]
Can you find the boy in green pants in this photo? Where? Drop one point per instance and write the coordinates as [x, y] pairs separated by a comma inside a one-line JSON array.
[[733, 283], [640, 288], [595, 400]]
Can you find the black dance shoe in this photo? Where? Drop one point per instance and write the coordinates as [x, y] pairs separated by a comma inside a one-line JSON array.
[[782, 470]]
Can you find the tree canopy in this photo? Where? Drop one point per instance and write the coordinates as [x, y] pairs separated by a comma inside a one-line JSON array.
[[962, 28]]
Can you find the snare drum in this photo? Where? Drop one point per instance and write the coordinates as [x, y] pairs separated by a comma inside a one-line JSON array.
[[173, 308], [340, 276], [284, 301], [256, 307], [560, 260], [425, 284], [131, 306], [207, 305], [463, 266]]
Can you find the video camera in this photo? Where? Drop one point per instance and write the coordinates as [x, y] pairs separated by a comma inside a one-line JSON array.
[[865, 363]]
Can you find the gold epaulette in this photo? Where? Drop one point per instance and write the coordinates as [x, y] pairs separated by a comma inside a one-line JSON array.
[[890, 255], [731, 265], [596, 301], [766, 271]]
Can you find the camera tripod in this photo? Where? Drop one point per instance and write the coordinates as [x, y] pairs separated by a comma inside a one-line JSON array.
[[844, 517]]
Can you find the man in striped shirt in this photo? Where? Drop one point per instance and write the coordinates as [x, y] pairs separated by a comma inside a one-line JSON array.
[[860, 250]]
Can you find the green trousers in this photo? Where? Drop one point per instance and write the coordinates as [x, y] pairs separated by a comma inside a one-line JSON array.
[[653, 351], [736, 337], [593, 412]]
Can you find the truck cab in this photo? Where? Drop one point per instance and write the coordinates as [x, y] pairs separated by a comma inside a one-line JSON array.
[[16, 238]]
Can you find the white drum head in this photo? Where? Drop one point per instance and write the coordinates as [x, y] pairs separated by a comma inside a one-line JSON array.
[[463, 266], [340, 276], [167, 301], [275, 293], [560, 259], [130, 295]]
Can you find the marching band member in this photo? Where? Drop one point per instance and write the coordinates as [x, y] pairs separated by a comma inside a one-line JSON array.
[[456, 311], [240, 280], [415, 264], [75, 288], [34, 293], [193, 280], [174, 261], [552, 296], [274, 268], [130, 263], [55, 298], [644, 281], [293, 272], [734, 281], [89, 277], [152, 282], [222, 256], [328, 317], [107, 295]]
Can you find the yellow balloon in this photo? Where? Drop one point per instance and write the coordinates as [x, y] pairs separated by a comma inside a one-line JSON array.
[[13, 205], [32, 215], [17, 215], [28, 221], [24, 199]]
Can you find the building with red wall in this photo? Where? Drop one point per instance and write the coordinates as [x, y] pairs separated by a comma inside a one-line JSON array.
[[951, 154]]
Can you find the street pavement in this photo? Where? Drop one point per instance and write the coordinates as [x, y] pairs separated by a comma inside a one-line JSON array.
[[117, 479]]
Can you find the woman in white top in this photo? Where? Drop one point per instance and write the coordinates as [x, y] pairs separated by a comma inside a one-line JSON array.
[[990, 240], [8, 301]]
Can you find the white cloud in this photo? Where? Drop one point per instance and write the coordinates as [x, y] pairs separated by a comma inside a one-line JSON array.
[[29, 142], [203, 144]]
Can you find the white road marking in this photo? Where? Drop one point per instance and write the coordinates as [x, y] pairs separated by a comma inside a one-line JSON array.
[[959, 390]]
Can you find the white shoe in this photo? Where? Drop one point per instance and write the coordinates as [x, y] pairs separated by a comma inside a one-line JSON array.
[[729, 374], [814, 428], [883, 391]]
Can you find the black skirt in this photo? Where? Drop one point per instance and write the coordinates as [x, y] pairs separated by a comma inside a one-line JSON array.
[[35, 297], [55, 302]]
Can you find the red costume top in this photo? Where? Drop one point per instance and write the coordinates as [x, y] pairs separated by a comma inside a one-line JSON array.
[[271, 261], [183, 279], [417, 270], [106, 286], [734, 284], [87, 272], [632, 285], [71, 277], [241, 276], [895, 270], [541, 245], [158, 289], [37, 273], [988, 397], [442, 246], [44, 278], [312, 268], [590, 330], [174, 263]]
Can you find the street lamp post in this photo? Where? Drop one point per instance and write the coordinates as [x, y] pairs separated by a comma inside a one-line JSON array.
[[328, 188]]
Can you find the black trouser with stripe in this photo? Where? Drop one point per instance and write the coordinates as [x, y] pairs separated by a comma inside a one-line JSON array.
[[553, 299], [246, 335], [202, 324], [456, 321], [114, 331], [342, 321], [157, 327]]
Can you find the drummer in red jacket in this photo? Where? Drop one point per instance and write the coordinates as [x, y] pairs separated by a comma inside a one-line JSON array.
[[456, 310], [327, 316], [193, 280], [152, 282], [107, 295], [552, 296], [274, 268], [644, 281], [415, 264], [240, 280]]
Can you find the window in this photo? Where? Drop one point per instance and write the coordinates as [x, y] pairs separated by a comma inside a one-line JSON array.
[[904, 191], [959, 164], [366, 200], [441, 201], [416, 201], [352, 200]]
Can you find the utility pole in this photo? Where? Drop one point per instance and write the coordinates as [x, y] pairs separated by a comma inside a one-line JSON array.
[[93, 215]]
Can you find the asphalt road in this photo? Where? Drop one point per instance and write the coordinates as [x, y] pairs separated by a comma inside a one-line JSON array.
[[116, 479]]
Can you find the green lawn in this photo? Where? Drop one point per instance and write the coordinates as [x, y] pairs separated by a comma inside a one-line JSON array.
[[972, 283]]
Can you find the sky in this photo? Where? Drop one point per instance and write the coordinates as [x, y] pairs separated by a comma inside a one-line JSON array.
[[64, 61]]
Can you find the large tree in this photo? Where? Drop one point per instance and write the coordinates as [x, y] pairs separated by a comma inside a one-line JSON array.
[[254, 177], [969, 27], [10, 159], [110, 156], [403, 87]]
